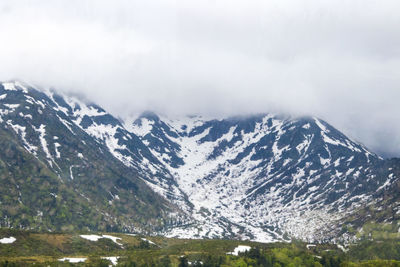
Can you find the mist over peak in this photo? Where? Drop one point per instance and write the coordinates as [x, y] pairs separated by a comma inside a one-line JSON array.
[[338, 61]]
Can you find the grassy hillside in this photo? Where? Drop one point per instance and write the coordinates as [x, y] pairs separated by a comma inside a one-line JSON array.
[[54, 176], [45, 249], [32, 195]]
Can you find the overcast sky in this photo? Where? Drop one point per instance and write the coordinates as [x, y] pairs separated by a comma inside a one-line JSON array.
[[338, 60]]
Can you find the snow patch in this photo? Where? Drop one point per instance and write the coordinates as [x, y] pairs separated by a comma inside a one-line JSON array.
[[239, 249], [342, 248], [8, 240], [10, 86], [70, 171], [148, 241], [114, 260], [97, 237], [11, 106], [66, 124], [73, 260], [143, 127], [56, 146], [43, 142], [21, 131]]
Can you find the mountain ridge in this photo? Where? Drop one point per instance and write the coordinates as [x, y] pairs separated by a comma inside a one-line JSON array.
[[44, 126], [263, 177], [224, 127]]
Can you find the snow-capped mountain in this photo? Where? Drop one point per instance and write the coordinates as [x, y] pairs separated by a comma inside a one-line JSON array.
[[265, 177], [122, 144], [66, 164]]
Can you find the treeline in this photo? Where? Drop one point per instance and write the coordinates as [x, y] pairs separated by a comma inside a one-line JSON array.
[[254, 257], [276, 257]]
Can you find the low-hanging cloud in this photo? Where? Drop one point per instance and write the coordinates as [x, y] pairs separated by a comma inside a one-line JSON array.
[[339, 60]]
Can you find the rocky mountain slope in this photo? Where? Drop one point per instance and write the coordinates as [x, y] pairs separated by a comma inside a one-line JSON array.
[[59, 173], [265, 177]]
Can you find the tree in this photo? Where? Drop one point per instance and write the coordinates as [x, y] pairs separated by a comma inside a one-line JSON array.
[[165, 261], [183, 262]]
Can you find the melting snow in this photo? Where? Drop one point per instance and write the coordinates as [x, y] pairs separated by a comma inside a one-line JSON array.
[[73, 260], [239, 249], [10, 86], [70, 171], [97, 237], [144, 128], [21, 130], [42, 132], [114, 260], [342, 248], [66, 124], [7, 240], [219, 188], [11, 106], [56, 146], [150, 242]]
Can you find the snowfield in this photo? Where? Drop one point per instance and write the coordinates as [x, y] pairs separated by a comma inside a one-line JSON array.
[[265, 178]]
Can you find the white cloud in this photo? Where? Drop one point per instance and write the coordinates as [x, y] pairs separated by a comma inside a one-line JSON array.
[[339, 60]]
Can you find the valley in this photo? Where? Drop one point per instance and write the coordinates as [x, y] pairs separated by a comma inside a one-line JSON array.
[[32, 248], [69, 165]]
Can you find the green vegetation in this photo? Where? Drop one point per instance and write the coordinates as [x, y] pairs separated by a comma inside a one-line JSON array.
[[39, 194], [45, 249]]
